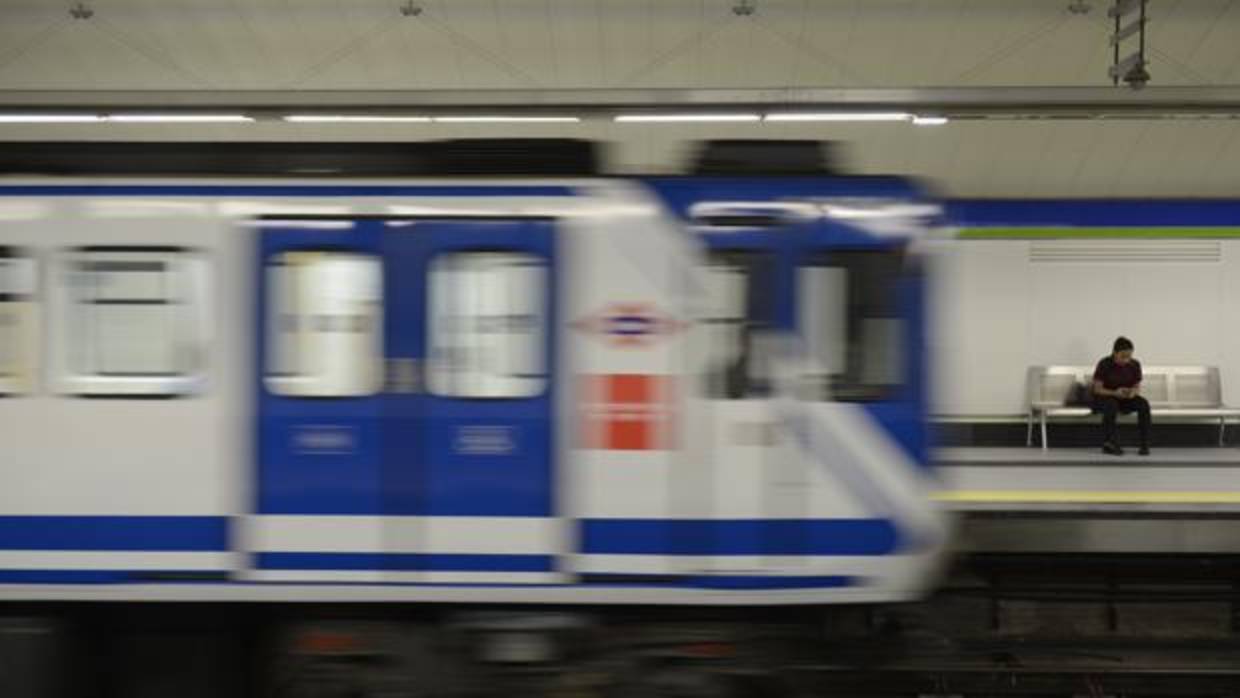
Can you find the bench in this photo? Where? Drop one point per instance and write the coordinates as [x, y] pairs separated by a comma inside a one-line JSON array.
[[1172, 391]]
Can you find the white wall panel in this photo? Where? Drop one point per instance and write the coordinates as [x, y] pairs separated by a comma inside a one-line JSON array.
[[1071, 310], [1229, 327], [1177, 311], [986, 293], [996, 313]]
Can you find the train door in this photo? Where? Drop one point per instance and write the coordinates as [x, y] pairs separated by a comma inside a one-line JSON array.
[[757, 509], [468, 414], [404, 415], [319, 447]]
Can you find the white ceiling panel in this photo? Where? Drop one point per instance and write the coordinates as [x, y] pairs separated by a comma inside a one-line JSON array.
[[370, 44]]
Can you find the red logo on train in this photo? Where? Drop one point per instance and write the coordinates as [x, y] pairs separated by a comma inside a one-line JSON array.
[[626, 411]]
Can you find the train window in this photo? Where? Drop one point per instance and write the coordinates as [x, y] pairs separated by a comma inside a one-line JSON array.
[[851, 320], [133, 321], [487, 325], [740, 297], [17, 352], [324, 324]]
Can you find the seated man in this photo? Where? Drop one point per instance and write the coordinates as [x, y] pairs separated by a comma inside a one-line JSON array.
[[1116, 390]]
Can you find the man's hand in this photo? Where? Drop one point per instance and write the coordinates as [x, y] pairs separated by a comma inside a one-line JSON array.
[[1124, 392]]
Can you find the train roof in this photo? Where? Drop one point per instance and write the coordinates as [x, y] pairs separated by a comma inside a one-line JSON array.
[[747, 196], [537, 157]]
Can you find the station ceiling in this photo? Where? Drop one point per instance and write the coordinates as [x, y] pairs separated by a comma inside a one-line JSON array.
[[225, 50]]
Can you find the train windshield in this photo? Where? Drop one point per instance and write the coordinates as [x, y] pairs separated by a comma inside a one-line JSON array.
[[852, 323]]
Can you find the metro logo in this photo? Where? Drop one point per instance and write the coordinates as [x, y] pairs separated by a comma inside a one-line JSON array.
[[629, 324], [627, 412]]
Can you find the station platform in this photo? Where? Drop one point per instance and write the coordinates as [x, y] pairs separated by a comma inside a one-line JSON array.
[[1188, 479], [1090, 456], [1176, 500]]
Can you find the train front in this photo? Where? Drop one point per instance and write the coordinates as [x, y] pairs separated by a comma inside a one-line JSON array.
[[815, 444]]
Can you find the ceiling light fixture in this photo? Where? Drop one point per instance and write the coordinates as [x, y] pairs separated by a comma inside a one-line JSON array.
[[838, 116], [673, 118], [744, 8], [506, 119], [355, 118], [81, 11], [929, 120]]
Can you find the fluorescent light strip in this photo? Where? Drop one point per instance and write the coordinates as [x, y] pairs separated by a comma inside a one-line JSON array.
[[839, 116], [919, 120], [49, 118], [177, 118], [355, 118], [122, 118], [673, 118], [506, 119]]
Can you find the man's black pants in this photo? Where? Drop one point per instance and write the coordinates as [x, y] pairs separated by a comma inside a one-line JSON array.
[[1112, 406]]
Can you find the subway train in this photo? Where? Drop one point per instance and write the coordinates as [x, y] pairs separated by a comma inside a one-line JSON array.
[[508, 381], [444, 419]]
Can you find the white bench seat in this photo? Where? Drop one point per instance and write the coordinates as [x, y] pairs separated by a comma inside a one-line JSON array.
[[1174, 392], [1185, 412]]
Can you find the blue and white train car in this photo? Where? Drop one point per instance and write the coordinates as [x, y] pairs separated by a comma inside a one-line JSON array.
[[482, 390], [817, 380]]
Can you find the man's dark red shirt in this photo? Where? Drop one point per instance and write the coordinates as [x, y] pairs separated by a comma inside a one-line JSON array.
[[1113, 375]]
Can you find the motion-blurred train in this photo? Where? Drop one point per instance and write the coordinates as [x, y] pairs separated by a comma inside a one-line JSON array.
[[681, 390]]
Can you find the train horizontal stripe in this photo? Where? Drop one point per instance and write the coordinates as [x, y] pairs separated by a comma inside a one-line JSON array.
[[280, 190], [405, 562], [755, 582], [485, 535], [599, 536], [185, 533], [1091, 232], [723, 581], [738, 537], [1087, 496], [63, 576], [551, 594], [765, 565], [115, 560], [404, 577], [109, 576]]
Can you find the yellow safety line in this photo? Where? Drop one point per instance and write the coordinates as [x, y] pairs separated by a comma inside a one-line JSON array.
[[1085, 496]]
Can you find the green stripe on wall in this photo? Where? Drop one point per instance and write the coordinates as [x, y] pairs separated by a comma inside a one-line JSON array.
[[1038, 233]]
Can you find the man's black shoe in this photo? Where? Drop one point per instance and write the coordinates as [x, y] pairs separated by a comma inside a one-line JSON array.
[[1112, 449], [1144, 450]]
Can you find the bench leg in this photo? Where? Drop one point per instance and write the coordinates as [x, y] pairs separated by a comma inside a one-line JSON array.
[[1222, 431], [1044, 444], [1029, 429]]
